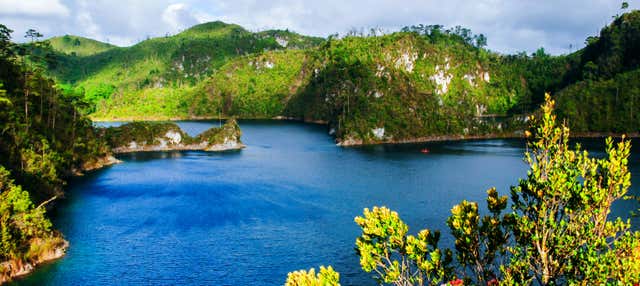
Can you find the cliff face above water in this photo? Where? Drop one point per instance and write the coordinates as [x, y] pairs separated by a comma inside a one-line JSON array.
[[167, 136]]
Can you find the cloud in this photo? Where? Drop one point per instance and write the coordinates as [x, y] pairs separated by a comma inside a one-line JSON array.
[[178, 16], [85, 20], [36, 8], [510, 26]]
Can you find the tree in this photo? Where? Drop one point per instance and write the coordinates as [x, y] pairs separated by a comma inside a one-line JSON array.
[[481, 41], [625, 5], [33, 35], [480, 243], [3, 96], [5, 41], [326, 277], [385, 248], [560, 212], [21, 221]]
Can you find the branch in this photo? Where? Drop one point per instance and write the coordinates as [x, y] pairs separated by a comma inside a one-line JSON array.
[[47, 201]]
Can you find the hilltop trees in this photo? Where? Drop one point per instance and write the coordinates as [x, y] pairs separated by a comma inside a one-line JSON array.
[[557, 232]]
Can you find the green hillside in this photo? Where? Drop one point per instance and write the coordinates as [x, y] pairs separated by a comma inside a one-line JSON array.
[[424, 81], [603, 94], [78, 46], [167, 64], [411, 84]]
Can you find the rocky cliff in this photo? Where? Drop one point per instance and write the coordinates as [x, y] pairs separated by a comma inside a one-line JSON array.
[[167, 136]]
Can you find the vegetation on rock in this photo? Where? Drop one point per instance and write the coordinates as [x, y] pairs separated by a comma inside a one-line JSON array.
[[156, 136]]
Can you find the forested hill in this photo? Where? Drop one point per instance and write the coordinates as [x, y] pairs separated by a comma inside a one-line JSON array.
[[602, 91], [160, 66], [78, 46], [43, 139], [421, 82]]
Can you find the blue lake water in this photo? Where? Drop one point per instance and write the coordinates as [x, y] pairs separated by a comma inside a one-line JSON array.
[[284, 203]]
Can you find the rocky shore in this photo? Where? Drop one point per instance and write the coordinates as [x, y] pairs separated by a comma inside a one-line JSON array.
[[350, 142], [167, 136], [12, 269], [203, 146]]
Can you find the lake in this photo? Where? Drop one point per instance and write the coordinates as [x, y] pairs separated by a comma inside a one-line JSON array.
[[284, 203]]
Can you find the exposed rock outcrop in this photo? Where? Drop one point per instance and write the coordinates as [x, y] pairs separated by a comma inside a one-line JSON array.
[[94, 164], [167, 136], [43, 250]]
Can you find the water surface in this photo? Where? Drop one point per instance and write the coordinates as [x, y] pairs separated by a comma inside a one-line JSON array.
[[286, 202]]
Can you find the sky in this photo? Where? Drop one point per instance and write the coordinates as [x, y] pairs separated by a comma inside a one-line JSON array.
[[511, 26]]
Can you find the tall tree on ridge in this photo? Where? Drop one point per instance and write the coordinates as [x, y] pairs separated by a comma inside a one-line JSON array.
[[33, 35]]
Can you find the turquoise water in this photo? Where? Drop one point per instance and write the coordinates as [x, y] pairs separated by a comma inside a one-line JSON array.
[[284, 203]]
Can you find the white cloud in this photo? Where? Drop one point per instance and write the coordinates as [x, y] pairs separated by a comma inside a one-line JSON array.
[[178, 16], [85, 20], [33, 8], [510, 26]]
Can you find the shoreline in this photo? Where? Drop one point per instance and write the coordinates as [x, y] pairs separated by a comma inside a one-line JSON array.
[[426, 139], [455, 138], [158, 148], [359, 142], [206, 118], [19, 269]]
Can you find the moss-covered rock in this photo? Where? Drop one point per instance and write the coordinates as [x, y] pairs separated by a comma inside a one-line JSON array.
[[223, 138], [166, 136]]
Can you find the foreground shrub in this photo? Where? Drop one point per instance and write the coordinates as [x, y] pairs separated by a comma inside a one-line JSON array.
[[326, 277]]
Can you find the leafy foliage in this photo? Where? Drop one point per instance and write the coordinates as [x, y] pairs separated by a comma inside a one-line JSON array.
[[326, 277], [159, 66], [140, 132], [609, 105], [480, 243], [230, 131], [561, 226], [424, 81], [385, 248], [21, 222]]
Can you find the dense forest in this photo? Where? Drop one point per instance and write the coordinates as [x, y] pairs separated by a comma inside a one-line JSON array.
[[422, 81], [44, 138], [601, 91]]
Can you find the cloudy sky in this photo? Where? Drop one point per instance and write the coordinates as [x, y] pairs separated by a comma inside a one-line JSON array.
[[510, 25]]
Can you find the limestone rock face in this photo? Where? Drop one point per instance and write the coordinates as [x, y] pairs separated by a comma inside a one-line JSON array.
[[157, 136]]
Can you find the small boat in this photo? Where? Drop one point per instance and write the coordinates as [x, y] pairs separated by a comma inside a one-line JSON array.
[[424, 150]]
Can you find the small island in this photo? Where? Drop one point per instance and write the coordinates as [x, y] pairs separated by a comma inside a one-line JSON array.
[[167, 136]]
